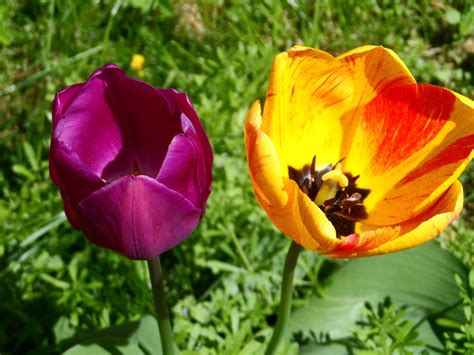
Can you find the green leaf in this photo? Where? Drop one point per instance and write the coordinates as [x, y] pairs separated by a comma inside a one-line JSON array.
[[143, 334], [54, 281], [62, 329], [105, 346], [23, 171], [253, 347], [422, 278], [335, 316], [330, 349], [448, 323], [30, 155]]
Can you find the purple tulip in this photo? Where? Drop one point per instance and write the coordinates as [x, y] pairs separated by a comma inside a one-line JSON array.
[[132, 162]]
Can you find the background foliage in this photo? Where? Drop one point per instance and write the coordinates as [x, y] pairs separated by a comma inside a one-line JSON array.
[[224, 282]]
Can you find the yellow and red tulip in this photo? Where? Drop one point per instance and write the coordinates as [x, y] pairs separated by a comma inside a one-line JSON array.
[[352, 157]]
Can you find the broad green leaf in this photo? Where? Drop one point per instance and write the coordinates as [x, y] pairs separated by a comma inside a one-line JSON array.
[[422, 278], [335, 316], [330, 349], [143, 334], [105, 346]]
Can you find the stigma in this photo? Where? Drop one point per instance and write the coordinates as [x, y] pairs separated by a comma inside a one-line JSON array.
[[335, 192]]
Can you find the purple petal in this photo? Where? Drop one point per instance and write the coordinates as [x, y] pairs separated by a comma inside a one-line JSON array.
[[73, 177], [63, 99], [187, 108], [137, 217], [147, 121], [184, 168], [89, 129]]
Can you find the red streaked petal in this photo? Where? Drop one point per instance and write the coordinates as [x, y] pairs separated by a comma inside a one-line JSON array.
[[400, 122], [420, 229], [398, 150], [375, 69]]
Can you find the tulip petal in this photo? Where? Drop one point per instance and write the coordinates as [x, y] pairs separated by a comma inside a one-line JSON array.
[[184, 168], [288, 208], [262, 159], [313, 227], [420, 229], [62, 100], [147, 120], [301, 220], [356, 243], [309, 91], [89, 113], [138, 217], [375, 69], [187, 108], [413, 143], [73, 178]]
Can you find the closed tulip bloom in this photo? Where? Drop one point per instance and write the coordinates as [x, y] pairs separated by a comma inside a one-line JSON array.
[[352, 157], [132, 163]]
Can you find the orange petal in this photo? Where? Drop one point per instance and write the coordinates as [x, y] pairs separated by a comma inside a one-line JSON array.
[[413, 142], [417, 231], [263, 162], [375, 69], [356, 243], [301, 220], [288, 208], [309, 91]]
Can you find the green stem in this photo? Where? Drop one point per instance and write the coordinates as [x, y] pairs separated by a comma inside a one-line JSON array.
[[286, 296], [162, 315]]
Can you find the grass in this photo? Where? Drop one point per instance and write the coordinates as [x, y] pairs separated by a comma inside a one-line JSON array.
[[224, 282]]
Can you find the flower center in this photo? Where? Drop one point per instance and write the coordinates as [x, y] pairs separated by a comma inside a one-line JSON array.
[[334, 192]]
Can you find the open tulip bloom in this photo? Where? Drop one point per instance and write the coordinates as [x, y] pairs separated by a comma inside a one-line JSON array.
[[133, 165], [352, 157]]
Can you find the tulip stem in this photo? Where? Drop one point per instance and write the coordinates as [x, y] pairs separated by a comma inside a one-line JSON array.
[[285, 301], [162, 315]]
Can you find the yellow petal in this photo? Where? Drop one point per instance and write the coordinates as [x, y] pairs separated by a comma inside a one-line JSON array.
[[301, 220], [356, 244], [412, 144], [375, 69], [310, 218], [262, 161], [308, 92], [289, 209], [425, 226], [379, 64]]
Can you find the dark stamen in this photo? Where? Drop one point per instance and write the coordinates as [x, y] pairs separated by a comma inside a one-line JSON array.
[[343, 210]]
